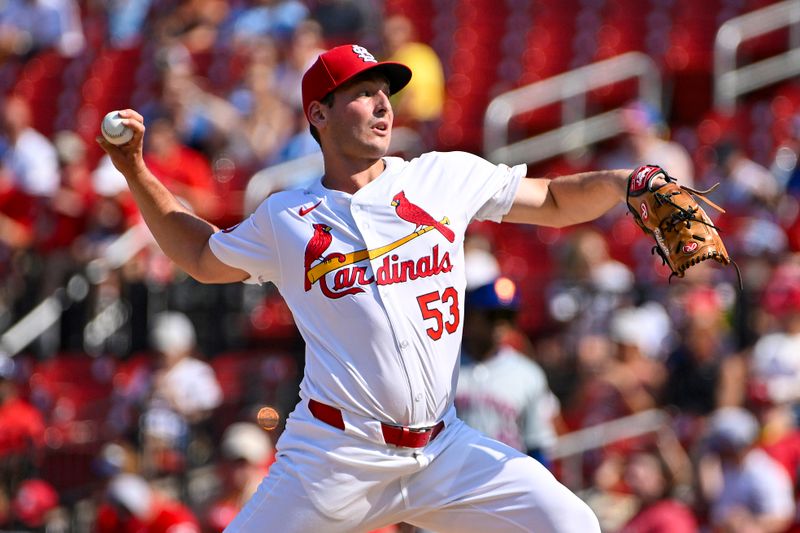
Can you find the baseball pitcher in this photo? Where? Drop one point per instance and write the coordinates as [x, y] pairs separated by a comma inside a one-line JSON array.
[[370, 260]]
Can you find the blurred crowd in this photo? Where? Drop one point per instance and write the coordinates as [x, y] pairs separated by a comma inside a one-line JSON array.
[[134, 408]]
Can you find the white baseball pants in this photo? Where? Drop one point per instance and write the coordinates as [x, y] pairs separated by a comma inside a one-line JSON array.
[[327, 480]]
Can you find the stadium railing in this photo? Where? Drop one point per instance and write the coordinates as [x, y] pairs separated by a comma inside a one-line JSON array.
[[570, 448], [731, 81], [48, 312], [571, 91]]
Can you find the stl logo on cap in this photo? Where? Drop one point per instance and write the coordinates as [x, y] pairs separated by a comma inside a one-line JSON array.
[[364, 54]]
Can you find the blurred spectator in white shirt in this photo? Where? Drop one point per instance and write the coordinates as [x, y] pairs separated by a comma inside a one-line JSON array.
[[184, 392], [745, 488], [775, 364], [30, 156], [28, 26], [126, 20], [591, 283], [247, 454], [273, 18], [644, 143], [502, 392], [187, 383], [746, 181]]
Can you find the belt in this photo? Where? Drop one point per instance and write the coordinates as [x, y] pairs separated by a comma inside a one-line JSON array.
[[401, 436]]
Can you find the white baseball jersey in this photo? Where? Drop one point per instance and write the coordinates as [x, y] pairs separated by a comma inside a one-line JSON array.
[[375, 279]]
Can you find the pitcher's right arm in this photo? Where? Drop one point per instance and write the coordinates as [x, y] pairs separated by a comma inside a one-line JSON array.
[[182, 235]]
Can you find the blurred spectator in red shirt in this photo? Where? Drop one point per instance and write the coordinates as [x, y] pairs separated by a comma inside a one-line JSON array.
[[184, 171], [775, 377], [247, 454], [17, 215], [21, 424], [69, 207], [651, 480], [780, 436], [21, 436], [17, 233], [65, 216], [133, 506], [776, 355], [34, 504]]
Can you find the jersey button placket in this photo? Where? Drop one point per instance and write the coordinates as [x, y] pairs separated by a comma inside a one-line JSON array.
[[361, 221]]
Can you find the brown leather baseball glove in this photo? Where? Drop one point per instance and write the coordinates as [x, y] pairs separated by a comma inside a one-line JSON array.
[[683, 233]]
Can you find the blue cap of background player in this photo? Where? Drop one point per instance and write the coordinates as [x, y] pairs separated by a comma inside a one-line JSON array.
[[500, 295], [341, 64]]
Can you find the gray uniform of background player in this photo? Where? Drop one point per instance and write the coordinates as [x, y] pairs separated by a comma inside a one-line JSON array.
[[501, 392]]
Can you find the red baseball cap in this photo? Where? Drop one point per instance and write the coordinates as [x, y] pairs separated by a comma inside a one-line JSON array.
[[341, 64], [34, 499]]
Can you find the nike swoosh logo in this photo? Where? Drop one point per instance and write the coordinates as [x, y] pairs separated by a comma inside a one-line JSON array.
[[306, 210]]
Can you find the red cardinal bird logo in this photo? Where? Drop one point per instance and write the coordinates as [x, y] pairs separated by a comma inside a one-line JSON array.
[[316, 247], [418, 216]]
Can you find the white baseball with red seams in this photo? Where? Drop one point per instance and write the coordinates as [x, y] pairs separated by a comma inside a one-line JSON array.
[[114, 131]]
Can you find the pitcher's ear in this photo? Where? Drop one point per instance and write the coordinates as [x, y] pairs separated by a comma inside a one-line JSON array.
[[317, 114]]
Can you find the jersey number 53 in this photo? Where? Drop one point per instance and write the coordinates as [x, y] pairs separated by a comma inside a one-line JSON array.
[[449, 297]]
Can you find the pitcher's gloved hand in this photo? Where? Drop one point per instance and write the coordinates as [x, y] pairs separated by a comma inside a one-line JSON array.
[[684, 234]]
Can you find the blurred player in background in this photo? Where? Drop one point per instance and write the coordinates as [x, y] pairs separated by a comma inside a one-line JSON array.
[[502, 392]]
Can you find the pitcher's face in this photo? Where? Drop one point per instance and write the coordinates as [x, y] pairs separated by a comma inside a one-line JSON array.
[[360, 120]]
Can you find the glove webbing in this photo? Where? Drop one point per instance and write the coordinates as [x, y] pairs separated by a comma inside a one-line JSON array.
[[683, 214], [688, 216]]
